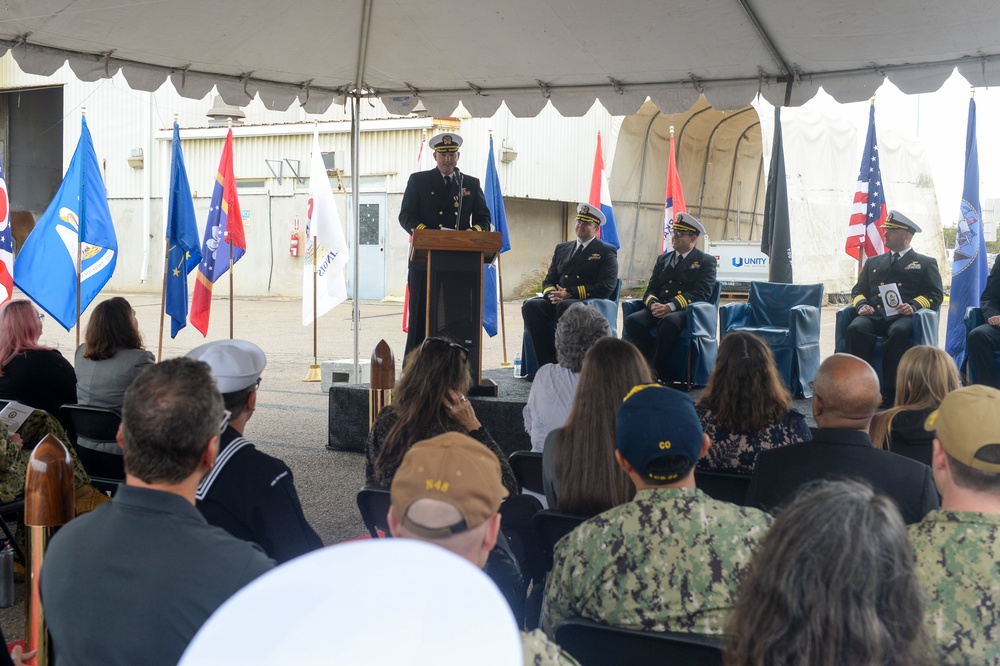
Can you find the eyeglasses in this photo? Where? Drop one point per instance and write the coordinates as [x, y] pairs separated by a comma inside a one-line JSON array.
[[41, 316], [448, 343]]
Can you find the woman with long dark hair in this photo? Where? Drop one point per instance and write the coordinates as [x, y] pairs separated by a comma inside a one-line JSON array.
[[430, 399], [831, 583], [581, 476], [746, 408], [111, 356]]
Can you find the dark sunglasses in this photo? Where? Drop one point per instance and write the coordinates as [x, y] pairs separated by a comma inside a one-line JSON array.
[[446, 343]]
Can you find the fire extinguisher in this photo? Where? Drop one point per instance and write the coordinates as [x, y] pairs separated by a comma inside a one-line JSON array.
[[293, 249]]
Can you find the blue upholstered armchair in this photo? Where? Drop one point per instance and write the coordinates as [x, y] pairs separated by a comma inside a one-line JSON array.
[[786, 317], [925, 332], [607, 306], [694, 354]]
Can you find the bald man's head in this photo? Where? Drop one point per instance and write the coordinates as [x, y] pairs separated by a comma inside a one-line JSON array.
[[845, 393]]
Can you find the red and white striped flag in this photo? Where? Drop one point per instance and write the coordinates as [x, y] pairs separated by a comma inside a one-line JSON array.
[[865, 236]]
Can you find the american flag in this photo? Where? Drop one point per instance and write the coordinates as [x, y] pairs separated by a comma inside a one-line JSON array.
[[6, 243], [865, 236]]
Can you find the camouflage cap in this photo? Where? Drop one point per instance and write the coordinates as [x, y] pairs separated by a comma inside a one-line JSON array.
[[451, 468], [653, 422], [967, 421]]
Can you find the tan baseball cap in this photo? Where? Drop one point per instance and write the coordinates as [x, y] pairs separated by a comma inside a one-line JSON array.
[[968, 420], [451, 468]]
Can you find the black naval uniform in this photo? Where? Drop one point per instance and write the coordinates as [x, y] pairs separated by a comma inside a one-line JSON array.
[[252, 496], [919, 282], [984, 340], [428, 203], [692, 279], [591, 273]]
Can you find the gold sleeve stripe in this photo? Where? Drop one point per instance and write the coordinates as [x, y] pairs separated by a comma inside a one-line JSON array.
[[548, 289], [421, 226], [923, 301], [649, 298], [477, 227], [860, 298], [583, 292], [683, 302]]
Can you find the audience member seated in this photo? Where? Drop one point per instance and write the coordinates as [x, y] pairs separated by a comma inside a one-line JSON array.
[[447, 492], [845, 397], [984, 339], [131, 582], [583, 268], [579, 471], [958, 547], [16, 447], [108, 361], [30, 373], [248, 493], [551, 395], [746, 407], [832, 583], [925, 376], [429, 400], [672, 558]]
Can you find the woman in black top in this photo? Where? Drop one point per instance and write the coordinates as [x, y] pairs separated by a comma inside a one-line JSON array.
[[30, 373]]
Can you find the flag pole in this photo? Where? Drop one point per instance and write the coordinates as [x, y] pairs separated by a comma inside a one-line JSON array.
[[314, 374], [163, 296], [503, 322], [229, 240], [79, 244]]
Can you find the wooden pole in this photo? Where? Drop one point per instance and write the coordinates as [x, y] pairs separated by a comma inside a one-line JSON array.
[[382, 379], [503, 321], [229, 240], [79, 244], [48, 503], [163, 296], [314, 374]]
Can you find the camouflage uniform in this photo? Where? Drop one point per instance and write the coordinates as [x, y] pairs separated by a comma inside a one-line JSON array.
[[540, 651], [14, 459], [669, 560], [958, 562]]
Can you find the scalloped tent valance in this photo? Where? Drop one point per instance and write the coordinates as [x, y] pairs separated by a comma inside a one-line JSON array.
[[523, 52]]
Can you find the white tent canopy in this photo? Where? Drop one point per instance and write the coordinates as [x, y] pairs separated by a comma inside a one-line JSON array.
[[522, 51]]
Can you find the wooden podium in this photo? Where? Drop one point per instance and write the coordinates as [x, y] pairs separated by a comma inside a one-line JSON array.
[[454, 300]]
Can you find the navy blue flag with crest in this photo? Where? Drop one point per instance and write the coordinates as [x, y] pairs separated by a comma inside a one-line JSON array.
[[46, 267], [968, 271], [184, 244], [494, 201]]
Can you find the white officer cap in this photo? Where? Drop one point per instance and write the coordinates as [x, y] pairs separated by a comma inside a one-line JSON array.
[[445, 142], [589, 213], [235, 364]]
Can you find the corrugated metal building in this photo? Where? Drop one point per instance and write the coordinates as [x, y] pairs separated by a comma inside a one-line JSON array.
[[131, 131]]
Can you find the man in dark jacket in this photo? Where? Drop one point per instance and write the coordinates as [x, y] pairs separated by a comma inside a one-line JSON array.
[[439, 198], [845, 397], [984, 340], [680, 277], [586, 267]]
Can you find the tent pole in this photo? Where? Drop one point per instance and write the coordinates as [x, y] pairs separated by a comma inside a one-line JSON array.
[[356, 214]]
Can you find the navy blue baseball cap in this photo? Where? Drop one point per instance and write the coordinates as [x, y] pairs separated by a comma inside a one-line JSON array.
[[653, 422]]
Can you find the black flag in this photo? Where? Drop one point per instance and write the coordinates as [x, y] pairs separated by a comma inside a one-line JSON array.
[[776, 240]]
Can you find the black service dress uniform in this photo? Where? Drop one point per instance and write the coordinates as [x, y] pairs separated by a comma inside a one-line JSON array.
[[430, 203], [252, 496], [590, 273], [983, 340], [919, 283], [691, 279]]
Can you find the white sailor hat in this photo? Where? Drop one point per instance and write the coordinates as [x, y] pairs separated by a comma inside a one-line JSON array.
[[445, 142], [897, 220], [589, 213], [235, 364], [688, 223]]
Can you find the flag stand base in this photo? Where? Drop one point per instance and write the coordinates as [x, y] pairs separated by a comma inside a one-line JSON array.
[[313, 375], [506, 364]]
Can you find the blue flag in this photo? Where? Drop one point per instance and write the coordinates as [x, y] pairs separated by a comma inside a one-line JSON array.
[[494, 201], [45, 268], [184, 245], [968, 271]]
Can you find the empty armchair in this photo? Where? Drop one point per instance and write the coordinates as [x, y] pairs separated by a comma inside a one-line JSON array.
[[693, 357], [787, 318]]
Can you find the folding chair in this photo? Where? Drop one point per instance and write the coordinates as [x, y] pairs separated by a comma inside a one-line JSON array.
[[552, 526], [97, 424], [373, 503], [723, 486], [594, 644], [527, 467]]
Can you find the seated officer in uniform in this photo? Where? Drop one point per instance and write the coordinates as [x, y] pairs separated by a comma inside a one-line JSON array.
[[985, 339], [919, 283], [583, 268], [680, 277], [439, 198]]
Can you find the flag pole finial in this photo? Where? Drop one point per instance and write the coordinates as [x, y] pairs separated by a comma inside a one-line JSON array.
[[176, 116], [972, 92], [83, 111], [873, 100], [491, 134], [671, 130]]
